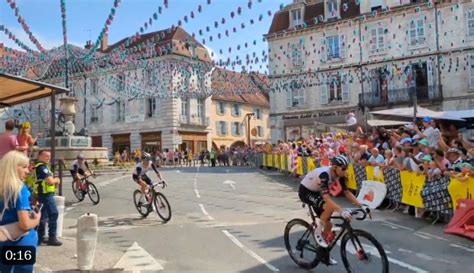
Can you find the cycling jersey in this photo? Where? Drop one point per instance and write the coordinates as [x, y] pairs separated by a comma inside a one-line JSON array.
[[140, 170], [319, 180], [77, 167]]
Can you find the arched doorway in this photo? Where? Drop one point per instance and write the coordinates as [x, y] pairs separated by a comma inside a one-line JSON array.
[[237, 144]]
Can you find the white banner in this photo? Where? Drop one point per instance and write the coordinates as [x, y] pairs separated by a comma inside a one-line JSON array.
[[134, 118]]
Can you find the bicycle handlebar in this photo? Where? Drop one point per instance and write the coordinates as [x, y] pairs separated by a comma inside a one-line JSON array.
[[355, 212]]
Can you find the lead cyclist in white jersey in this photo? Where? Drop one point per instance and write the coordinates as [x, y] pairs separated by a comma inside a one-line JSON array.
[[314, 191], [140, 173]]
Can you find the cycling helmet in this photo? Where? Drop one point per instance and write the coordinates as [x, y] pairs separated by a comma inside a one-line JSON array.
[[340, 161], [146, 156], [80, 156]]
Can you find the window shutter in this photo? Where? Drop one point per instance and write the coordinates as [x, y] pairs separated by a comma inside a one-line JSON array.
[[241, 129], [289, 98], [429, 69], [373, 40], [100, 112], [142, 106], [345, 91], [342, 46], [324, 50], [471, 71], [391, 82], [225, 127], [218, 128], [324, 91]]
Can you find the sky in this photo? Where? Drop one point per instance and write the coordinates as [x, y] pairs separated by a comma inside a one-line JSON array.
[[86, 18]]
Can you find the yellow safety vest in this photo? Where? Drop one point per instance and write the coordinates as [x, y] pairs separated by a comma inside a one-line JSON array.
[[46, 188], [30, 182]]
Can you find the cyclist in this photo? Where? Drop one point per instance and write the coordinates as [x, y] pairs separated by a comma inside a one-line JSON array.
[[140, 173], [79, 167], [314, 190]]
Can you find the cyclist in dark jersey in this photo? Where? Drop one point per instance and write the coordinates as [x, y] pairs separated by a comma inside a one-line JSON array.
[[314, 190]]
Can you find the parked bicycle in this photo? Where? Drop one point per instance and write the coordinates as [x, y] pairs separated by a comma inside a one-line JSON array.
[[153, 200], [357, 246], [86, 187]]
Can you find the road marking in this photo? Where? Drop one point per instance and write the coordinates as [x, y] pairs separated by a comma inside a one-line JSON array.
[[462, 247], [390, 226], [108, 182], [431, 235], [137, 259], [205, 212], [422, 236], [197, 193], [230, 183], [399, 226], [249, 251], [372, 250]]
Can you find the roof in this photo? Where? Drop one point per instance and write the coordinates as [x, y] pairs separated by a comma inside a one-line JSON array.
[[312, 13], [464, 114], [246, 88], [177, 37], [15, 90], [407, 112]]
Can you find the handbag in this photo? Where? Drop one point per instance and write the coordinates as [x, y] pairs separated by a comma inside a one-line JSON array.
[[335, 188], [11, 232]]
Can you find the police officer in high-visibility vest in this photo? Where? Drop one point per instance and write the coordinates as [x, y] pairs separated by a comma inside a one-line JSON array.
[[212, 157], [46, 189]]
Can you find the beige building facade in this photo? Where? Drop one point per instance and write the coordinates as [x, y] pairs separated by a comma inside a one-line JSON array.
[[332, 57]]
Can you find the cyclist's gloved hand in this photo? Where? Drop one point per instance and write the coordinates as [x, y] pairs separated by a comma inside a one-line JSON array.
[[365, 208], [346, 214], [163, 184]]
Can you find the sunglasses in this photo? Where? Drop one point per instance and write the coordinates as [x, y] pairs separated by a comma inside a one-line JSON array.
[[343, 168]]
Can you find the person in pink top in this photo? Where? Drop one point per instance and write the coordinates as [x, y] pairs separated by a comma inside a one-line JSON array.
[[8, 141], [24, 138]]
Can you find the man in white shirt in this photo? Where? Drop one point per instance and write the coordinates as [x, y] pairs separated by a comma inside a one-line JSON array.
[[430, 133], [376, 159]]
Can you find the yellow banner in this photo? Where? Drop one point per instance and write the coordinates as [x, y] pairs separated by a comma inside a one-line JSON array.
[[264, 163], [299, 161], [270, 160], [373, 175], [461, 190], [311, 165], [351, 178], [412, 185], [288, 163], [277, 161], [282, 161]]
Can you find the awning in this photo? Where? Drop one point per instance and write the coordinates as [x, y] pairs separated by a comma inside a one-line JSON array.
[[381, 123], [407, 112], [464, 114], [16, 90]]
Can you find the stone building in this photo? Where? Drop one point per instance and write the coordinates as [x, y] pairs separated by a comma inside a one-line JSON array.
[[332, 57]]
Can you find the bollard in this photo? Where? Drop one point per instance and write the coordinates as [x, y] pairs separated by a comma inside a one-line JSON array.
[[86, 240], [60, 201]]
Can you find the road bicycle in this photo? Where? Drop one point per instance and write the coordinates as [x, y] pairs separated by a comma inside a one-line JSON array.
[[357, 246], [86, 187], [152, 200]]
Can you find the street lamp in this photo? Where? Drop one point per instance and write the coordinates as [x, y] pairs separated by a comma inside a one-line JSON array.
[[248, 116]]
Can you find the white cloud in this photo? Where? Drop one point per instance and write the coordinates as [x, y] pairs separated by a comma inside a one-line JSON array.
[[215, 57], [21, 35]]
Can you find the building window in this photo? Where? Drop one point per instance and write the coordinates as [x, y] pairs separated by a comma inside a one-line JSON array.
[[94, 86], [296, 55], [295, 97], [377, 40], [332, 9], [376, 4], [236, 110], [120, 111], [152, 107], [417, 32], [222, 128], [150, 76], [470, 23], [237, 128], [221, 108], [184, 107], [471, 71], [121, 82], [200, 108], [94, 114], [334, 90], [296, 18], [258, 113], [334, 47], [259, 131]]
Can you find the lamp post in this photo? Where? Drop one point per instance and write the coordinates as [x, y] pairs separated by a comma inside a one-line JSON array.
[[248, 116]]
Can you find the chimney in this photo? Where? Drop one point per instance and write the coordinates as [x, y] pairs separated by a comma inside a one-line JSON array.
[[88, 45], [105, 42]]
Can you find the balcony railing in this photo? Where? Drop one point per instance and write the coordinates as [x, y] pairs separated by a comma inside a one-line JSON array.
[[401, 96]]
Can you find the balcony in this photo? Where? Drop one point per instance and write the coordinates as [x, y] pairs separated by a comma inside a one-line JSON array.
[[401, 96], [194, 120]]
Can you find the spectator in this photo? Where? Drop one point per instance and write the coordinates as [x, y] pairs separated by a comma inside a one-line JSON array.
[[399, 157], [441, 161], [24, 137], [376, 159], [430, 133], [409, 162], [8, 141], [389, 160], [455, 159], [15, 206], [406, 142]]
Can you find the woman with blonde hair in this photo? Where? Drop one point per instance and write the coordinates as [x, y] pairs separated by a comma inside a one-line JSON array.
[[24, 138], [15, 206]]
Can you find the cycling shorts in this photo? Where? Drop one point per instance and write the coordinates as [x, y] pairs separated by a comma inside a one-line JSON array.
[[144, 178], [312, 198], [79, 171]]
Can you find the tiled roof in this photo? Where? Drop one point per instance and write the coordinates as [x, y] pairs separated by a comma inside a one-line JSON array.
[[247, 88], [281, 20]]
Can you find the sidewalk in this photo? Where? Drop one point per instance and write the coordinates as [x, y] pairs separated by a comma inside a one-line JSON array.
[[64, 258]]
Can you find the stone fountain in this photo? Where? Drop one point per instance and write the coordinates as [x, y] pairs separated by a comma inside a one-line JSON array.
[[69, 143]]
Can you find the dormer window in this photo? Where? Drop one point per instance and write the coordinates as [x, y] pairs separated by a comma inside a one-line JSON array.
[[376, 5], [296, 17], [332, 9]]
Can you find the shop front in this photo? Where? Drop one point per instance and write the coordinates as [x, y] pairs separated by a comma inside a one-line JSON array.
[[195, 141], [121, 142], [151, 142]]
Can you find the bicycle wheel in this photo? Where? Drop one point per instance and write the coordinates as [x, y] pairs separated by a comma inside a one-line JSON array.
[[93, 193], [361, 252], [140, 203], [300, 243], [78, 193], [162, 206]]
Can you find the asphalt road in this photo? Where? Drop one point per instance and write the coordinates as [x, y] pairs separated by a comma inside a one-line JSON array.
[[232, 219]]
